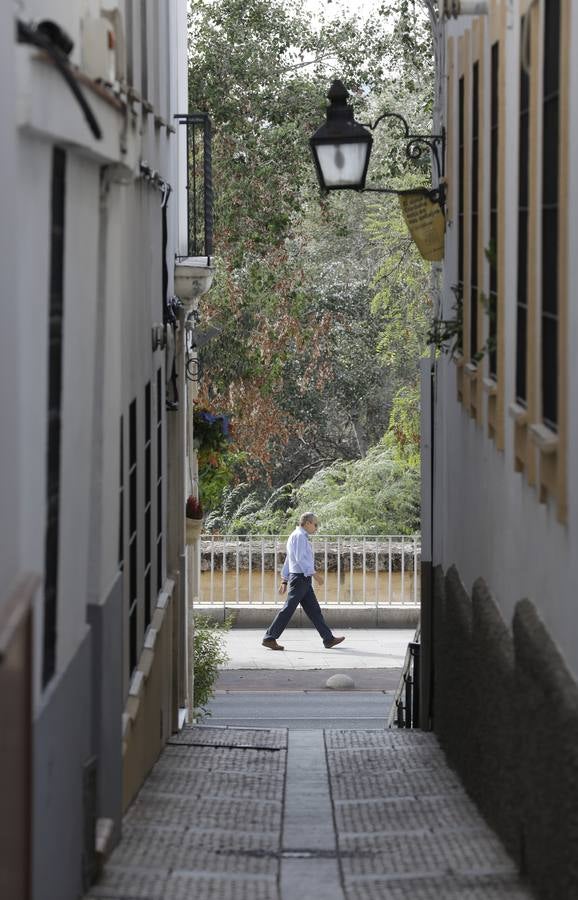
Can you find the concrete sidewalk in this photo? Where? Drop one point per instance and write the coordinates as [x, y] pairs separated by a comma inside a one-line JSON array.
[[363, 648], [247, 814]]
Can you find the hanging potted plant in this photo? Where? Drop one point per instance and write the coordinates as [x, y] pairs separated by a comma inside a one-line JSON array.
[[194, 518]]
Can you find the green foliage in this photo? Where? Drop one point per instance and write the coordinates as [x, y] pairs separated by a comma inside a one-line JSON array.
[[404, 429], [209, 654], [216, 472], [323, 302], [402, 297], [245, 511], [378, 494]]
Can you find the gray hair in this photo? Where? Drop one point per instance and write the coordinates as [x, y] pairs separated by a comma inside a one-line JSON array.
[[307, 517]]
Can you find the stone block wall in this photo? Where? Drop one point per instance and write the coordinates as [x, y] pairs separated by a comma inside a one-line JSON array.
[[505, 709]]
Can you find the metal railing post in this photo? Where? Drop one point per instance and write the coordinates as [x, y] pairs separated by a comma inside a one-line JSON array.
[[339, 570], [262, 570], [212, 567], [350, 569], [237, 569], [325, 576], [413, 715]]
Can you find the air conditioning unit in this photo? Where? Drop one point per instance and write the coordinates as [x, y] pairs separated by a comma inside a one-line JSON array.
[[103, 46]]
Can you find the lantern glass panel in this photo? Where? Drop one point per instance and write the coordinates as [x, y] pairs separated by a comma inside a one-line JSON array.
[[342, 165]]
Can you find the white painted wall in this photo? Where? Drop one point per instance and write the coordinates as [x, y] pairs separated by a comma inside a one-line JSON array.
[[10, 388], [111, 300], [488, 520]]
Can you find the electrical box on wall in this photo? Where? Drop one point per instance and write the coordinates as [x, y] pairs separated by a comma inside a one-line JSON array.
[[103, 46]]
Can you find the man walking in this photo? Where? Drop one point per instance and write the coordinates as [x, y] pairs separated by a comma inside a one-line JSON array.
[[298, 570]]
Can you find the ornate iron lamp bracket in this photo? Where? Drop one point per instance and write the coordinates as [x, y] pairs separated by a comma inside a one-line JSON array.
[[417, 143]]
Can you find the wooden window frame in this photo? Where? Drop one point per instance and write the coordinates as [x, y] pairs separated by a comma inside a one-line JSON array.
[[519, 407], [471, 52], [539, 451], [465, 77], [494, 382], [456, 190]]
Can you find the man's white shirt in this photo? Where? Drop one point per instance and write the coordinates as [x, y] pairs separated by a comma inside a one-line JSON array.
[[299, 559]]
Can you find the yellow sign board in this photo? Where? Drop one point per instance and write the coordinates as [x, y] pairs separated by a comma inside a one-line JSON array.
[[425, 221]]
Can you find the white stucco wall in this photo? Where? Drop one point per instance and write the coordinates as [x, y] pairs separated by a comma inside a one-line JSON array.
[[111, 299], [488, 519], [10, 389]]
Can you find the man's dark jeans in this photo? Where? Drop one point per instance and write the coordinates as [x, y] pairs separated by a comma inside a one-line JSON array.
[[300, 592]]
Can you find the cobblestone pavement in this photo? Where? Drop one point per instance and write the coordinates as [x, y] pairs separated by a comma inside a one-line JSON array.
[[221, 818]]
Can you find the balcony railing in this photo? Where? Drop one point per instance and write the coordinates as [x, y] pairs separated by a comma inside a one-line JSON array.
[[199, 184], [376, 570]]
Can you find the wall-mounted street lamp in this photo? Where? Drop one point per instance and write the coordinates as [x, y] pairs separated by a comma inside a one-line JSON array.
[[341, 147]]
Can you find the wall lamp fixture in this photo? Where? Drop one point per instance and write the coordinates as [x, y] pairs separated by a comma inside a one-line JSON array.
[[454, 8], [341, 148]]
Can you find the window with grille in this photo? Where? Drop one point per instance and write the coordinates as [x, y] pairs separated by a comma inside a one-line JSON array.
[[461, 148], [128, 12], [159, 530], [550, 198], [147, 507], [494, 145], [121, 500], [474, 217], [144, 66], [55, 357], [523, 218], [132, 538]]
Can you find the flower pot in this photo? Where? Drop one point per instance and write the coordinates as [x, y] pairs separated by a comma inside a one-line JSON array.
[[194, 529]]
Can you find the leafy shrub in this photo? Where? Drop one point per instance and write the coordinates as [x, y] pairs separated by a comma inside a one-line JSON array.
[[209, 654], [379, 494]]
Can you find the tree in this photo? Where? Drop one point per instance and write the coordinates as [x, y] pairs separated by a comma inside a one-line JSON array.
[[321, 302]]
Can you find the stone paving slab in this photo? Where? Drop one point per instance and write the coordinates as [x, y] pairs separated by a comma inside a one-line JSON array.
[[381, 782], [223, 736], [389, 739], [406, 829], [243, 814], [446, 887], [213, 811], [217, 782], [207, 822], [128, 884], [222, 759], [415, 814], [158, 847]]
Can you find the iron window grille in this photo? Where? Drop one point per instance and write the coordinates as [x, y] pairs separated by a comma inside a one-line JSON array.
[[461, 151], [474, 218], [550, 198], [199, 184], [494, 163], [54, 427], [523, 219]]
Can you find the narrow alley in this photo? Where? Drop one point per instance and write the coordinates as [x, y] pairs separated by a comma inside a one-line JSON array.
[[333, 806], [270, 814]]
